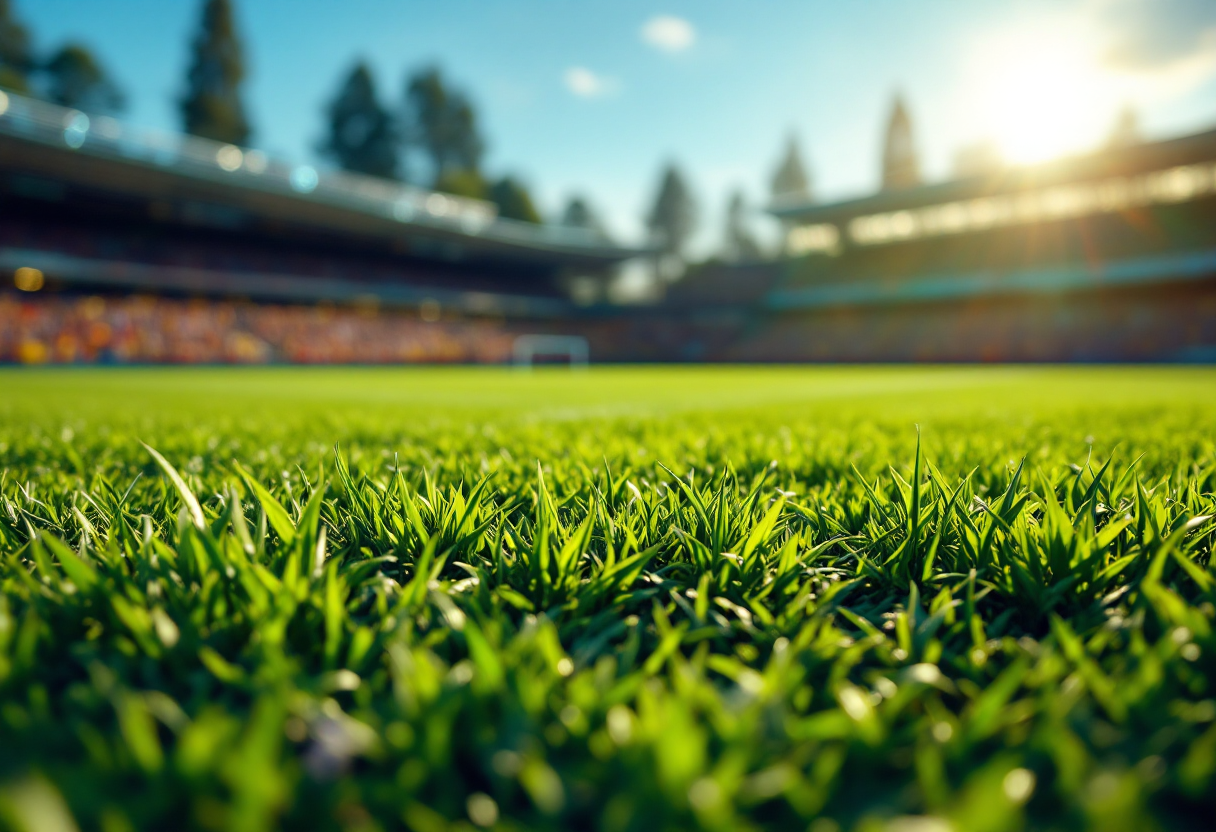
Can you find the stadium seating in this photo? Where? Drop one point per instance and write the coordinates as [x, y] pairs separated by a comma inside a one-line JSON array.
[[145, 329]]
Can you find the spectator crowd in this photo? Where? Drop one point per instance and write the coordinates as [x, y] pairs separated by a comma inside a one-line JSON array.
[[155, 330]]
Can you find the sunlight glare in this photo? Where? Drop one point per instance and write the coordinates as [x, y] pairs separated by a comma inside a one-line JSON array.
[[1044, 96]]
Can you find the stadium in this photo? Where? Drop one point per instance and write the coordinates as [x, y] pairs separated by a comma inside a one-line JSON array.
[[887, 504], [153, 247], [1107, 257]]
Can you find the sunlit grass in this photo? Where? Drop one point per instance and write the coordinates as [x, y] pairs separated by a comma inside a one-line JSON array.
[[616, 599]]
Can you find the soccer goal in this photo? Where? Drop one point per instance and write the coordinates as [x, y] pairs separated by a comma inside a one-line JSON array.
[[550, 349]]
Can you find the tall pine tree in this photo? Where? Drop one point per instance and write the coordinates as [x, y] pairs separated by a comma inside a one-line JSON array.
[[673, 218], [580, 214], [790, 180], [362, 137], [211, 106], [513, 200], [900, 162], [462, 182], [75, 78], [739, 243], [16, 59], [441, 122]]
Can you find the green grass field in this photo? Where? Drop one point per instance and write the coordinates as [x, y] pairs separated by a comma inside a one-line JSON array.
[[619, 599]]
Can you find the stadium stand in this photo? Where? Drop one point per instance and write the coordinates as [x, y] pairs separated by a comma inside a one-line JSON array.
[[179, 249], [1106, 257], [147, 329], [99, 206]]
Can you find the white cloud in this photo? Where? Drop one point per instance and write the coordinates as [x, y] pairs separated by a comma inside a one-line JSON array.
[[668, 33], [586, 84]]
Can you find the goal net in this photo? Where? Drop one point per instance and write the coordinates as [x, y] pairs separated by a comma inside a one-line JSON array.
[[550, 349]]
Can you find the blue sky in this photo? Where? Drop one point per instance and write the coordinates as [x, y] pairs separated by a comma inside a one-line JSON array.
[[593, 96]]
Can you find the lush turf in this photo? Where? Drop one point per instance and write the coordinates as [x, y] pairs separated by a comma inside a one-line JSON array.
[[620, 599]]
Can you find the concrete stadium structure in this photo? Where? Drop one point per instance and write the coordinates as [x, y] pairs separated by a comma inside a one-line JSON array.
[[1109, 256], [1106, 257], [98, 206]]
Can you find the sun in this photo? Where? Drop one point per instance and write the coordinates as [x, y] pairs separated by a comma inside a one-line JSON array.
[[1043, 95]]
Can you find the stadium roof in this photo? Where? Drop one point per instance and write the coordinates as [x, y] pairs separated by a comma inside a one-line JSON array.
[[229, 185], [1110, 180], [1122, 161]]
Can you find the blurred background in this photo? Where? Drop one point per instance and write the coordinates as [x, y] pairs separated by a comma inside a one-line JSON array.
[[299, 181]]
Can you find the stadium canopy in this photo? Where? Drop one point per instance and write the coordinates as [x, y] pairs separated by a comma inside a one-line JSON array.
[[1106, 182], [56, 151]]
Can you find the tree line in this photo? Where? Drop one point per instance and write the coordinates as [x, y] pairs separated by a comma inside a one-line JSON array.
[[69, 75], [436, 127], [431, 136]]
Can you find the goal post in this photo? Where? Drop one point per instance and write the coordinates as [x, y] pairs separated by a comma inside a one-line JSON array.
[[573, 348]]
